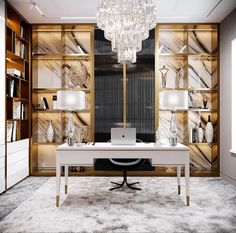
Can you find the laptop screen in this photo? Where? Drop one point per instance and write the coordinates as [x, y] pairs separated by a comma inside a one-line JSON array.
[[123, 136]]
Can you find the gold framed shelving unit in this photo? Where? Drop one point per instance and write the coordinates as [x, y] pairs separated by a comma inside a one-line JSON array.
[[58, 48], [62, 58], [194, 49]]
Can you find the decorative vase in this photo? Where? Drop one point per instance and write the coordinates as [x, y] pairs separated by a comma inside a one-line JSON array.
[[50, 135], [200, 133], [209, 130]]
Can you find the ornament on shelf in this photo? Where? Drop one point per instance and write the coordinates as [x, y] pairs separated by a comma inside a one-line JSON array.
[[164, 70], [194, 135], [179, 76], [200, 133], [50, 134], [205, 100], [209, 130]]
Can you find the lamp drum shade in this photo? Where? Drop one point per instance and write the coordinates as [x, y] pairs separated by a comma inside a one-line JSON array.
[[70, 100], [173, 99]]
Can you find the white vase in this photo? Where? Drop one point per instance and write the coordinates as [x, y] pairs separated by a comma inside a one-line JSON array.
[[209, 130], [200, 133], [50, 135]]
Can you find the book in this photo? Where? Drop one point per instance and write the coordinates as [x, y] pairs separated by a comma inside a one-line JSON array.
[[44, 103], [9, 131], [16, 110], [22, 50], [21, 32], [14, 131], [10, 88], [22, 111]]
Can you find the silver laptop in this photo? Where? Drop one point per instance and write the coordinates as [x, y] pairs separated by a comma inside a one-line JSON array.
[[123, 136]]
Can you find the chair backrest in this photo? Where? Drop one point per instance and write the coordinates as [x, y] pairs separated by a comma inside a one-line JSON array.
[[126, 164]]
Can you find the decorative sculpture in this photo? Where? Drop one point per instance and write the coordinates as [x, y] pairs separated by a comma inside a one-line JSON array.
[[164, 70], [179, 76]]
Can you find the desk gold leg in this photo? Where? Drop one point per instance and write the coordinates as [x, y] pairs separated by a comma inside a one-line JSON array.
[[57, 201], [179, 188], [66, 189], [188, 200]]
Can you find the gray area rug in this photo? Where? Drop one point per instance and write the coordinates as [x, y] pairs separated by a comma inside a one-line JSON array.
[[19, 193], [91, 207]]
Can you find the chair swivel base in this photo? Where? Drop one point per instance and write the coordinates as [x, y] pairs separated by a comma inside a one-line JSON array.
[[125, 182]]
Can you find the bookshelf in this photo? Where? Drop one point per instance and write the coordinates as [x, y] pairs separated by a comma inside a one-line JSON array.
[[193, 48], [62, 59], [18, 95]]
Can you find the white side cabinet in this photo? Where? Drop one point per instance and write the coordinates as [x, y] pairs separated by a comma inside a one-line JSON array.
[[17, 161], [2, 96], [2, 168]]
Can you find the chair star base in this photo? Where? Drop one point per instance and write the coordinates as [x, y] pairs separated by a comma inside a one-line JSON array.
[[125, 182]]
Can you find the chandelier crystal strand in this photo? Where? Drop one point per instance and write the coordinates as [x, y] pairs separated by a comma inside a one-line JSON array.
[[126, 23]]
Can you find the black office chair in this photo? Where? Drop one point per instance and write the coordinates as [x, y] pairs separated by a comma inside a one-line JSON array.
[[126, 164]]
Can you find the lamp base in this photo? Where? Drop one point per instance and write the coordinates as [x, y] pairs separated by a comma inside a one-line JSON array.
[[70, 141], [173, 141]]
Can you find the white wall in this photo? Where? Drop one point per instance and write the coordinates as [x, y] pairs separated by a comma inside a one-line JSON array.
[[2, 95], [227, 35]]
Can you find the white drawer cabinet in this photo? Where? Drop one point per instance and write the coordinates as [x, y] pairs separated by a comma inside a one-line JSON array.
[[17, 161], [2, 180], [17, 156], [2, 168], [13, 147]]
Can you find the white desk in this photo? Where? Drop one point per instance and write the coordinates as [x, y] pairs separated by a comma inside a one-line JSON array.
[[159, 155]]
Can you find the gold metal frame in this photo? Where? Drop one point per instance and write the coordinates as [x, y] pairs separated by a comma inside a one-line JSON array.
[[124, 96]]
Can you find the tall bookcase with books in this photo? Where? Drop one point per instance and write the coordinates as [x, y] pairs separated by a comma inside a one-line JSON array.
[[18, 99], [62, 59]]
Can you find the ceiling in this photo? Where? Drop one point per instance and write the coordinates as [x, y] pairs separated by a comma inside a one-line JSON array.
[[169, 11]]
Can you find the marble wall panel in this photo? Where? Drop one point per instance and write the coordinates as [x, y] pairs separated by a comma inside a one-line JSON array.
[[202, 41], [202, 73], [40, 126], [76, 42], [173, 64], [76, 73], [204, 157], [164, 125], [46, 74], [195, 99], [46, 42], [171, 42]]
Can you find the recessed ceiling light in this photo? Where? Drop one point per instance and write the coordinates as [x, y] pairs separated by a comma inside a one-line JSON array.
[[37, 8], [77, 17]]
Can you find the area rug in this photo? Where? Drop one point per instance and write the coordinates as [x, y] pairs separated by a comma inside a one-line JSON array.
[[91, 207]]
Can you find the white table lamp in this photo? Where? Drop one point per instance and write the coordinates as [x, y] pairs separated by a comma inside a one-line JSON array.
[[173, 100], [70, 100]]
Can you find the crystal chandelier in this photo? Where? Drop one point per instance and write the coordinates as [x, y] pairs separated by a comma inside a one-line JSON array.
[[126, 23]]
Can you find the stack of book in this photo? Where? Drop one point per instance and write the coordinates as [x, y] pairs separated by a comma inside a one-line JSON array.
[[19, 49], [14, 72], [19, 110]]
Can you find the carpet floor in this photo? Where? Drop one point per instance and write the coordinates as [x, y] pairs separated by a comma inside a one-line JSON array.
[[91, 207]]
